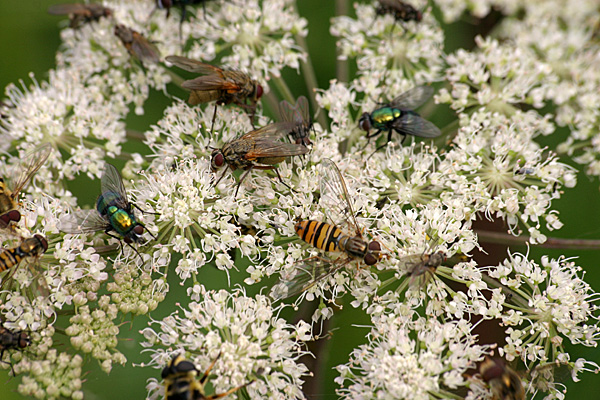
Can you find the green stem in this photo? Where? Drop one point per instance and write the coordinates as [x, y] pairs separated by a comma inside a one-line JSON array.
[[283, 89], [551, 243], [176, 79], [310, 78], [342, 71]]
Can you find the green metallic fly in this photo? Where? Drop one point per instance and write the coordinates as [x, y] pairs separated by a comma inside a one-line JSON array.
[[398, 116], [113, 213]]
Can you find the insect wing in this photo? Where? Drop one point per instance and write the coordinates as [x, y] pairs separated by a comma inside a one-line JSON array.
[[210, 82], [64, 9], [307, 275], [112, 182], [33, 162], [413, 98], [270, 132], [298, 113], [83, 221], [266, 142], [143, 49], [335, 198], [194, 66], [412, 124]]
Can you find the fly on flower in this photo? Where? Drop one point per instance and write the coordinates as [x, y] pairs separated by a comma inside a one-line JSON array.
[[181, 383], [507, 384], [398, 116], [182, 4], [10, 258], [12, 340], [137, 45], [221, 85], [329, 237], [257, 149], [400, 10], [113, 212], [299, 114], [80, 14], [33, 161]]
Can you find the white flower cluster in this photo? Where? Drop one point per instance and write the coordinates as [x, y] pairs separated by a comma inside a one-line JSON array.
[[412, 206], [251, 338]]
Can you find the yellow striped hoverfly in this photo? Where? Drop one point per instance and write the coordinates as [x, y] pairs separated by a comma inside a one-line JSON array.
[[181, 383], [12, 340], [329, 237], [80, 14], [33, 161], [507, 384], [257, 149], [221, 85], [10, 258]]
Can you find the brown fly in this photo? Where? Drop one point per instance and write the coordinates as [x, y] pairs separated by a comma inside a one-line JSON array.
[[80, 14], [221, 85], [258, 149], [137, 45]]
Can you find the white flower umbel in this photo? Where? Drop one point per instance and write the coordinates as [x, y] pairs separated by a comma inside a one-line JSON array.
[[549, 306], [256, 37], [410, 357], [254, 343]]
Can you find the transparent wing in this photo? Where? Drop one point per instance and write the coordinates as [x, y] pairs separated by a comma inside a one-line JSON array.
[[112, 182], [413, 98], [270, 132], [308, 274], [335, 198], [412, 124], [31, 164], [273, 148], [144, 50], [83, 221], [64, 9], [194, 66], [210, 82]]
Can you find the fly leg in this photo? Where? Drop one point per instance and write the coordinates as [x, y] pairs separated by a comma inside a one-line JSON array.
[[107, 231], [213, 120]]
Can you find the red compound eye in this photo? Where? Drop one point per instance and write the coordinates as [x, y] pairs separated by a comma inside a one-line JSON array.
[[374, 246], [370, 259], [218, 160], [14, 215], [365, 122], [259, 91], [42, 241], [138, 230]]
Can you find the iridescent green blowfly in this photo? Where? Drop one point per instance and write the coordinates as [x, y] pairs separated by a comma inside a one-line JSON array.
[[113, 212], [398, 116]]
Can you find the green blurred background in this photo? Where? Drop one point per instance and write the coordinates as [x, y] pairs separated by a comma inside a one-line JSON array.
[[29, 38]]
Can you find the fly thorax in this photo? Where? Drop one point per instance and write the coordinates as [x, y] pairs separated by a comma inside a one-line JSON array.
[[122, 219], [105, 203], [385, 115], [354, 246]]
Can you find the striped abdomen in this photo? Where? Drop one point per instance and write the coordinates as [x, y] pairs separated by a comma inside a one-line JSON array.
[[329, 237], [9, 258]]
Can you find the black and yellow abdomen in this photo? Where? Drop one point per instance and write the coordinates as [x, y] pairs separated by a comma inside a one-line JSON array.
[[9, 258], [322, 235]]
